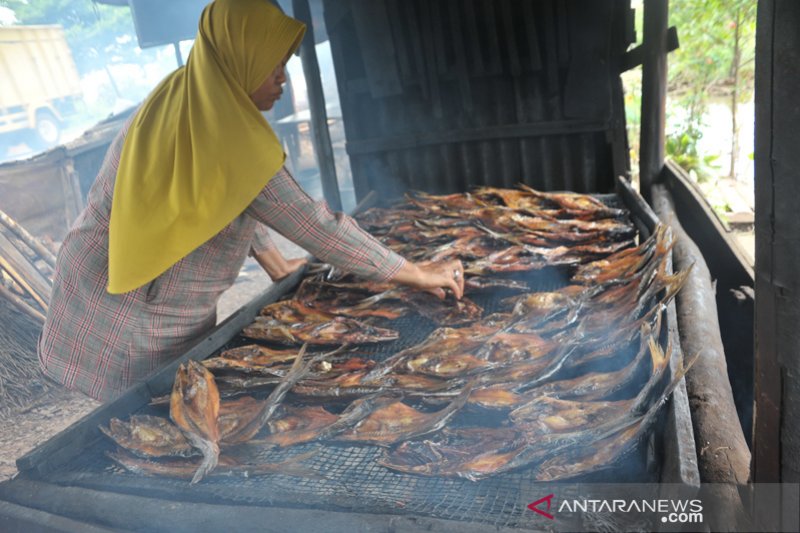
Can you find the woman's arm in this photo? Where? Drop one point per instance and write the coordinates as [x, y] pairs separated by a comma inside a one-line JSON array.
[[275, 265], [433, 277], [264, 251], [335, 238]]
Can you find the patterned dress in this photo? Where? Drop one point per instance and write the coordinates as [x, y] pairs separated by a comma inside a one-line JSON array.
[[101, 343]]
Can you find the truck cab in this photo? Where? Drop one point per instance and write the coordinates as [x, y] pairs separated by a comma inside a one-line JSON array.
[[35, 99]]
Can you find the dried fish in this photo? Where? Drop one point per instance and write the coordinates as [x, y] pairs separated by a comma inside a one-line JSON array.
[[298, 425], [397, 422], [149, 436], [266, 409], [194, 407], [339, 330], [448, 312], [495, 397], [562, 370], [250, 356]]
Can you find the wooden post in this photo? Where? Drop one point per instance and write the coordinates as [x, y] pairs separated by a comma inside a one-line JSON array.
[[178, 57], [320, 135], [776, 439], [654, 93]]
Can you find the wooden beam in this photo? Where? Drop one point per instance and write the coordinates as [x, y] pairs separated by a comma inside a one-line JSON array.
[[507, 131], [79, 510], [654, 93], [723, 455], [776, 434], [24, 272], [321, 137], [635, 57], [46, 255], [21, 304]]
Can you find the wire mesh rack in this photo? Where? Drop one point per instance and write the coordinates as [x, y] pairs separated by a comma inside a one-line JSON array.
[[348, 477]]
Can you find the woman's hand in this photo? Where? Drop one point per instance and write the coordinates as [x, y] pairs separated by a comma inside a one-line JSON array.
[[433, 277], [276, 266]]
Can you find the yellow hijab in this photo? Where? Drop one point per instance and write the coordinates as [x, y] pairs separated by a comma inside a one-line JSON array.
[[198, 151]]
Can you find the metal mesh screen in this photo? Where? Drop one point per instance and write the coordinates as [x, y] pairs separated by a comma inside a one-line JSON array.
[[348, 477]]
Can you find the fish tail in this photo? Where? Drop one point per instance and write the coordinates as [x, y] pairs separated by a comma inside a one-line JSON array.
[[462, 398], [210, 459], [300, 367], [659, 357], [367, 302], [675, 282]]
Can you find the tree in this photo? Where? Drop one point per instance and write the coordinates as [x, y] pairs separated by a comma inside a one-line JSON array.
[[98, 34], [716, 58]]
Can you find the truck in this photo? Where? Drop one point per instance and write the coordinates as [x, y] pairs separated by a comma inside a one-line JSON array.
[[39, 86]]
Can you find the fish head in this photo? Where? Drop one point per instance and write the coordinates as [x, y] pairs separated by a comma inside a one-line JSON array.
[[194, 403]]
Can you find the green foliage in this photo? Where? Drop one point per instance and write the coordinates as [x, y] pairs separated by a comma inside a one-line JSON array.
[[716, 54], [682, 148], [98, 34]]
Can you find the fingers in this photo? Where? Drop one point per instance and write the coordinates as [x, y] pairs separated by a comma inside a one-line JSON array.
[[453, 272], [438, 292], [436, 277], [459, 267], [294, 264], [451, 276], [291, 266]]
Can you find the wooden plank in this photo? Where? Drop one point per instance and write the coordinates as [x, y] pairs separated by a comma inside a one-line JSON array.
[[28, 239], [635, 57], [24, 273], [507, 131], [142, 513], [428, 37], [724, 457], [20, 304], [682, 186], [321, 136], [680, 461], [733, 275], [439, 18], [551, 48], [512, 49], [473, 38], [532, 37], [766, 465], [374, 31], [412, 19], [776, 437], [402, 46], [21, 519], [459, 45], [587, 88], [489, 28], [562, 31], [654, 93]]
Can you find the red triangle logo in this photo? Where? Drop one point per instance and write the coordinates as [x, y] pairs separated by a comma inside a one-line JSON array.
[[534, 506]]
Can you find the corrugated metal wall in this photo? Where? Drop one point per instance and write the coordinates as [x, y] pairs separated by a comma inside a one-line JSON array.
[[442, 95]]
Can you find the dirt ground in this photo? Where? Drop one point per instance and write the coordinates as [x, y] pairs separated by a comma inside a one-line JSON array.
[[23, 430]]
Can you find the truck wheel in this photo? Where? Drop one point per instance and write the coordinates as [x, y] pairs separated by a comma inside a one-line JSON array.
[[48, 129]]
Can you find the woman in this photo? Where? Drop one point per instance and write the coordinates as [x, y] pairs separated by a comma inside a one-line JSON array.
[[186, 191]]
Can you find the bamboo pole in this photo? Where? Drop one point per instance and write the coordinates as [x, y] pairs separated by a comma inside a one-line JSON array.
[[28, 239], [23, 272], [20, 304]]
